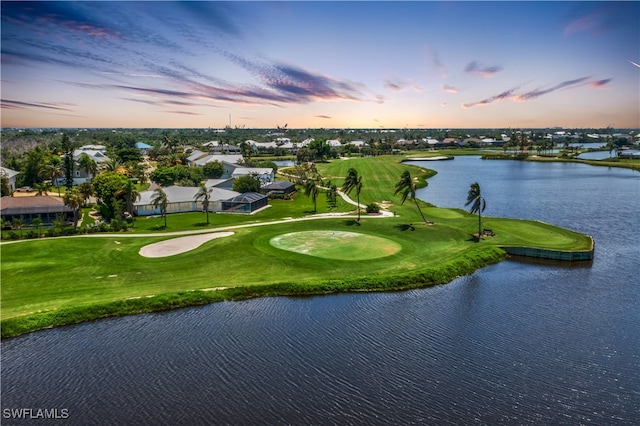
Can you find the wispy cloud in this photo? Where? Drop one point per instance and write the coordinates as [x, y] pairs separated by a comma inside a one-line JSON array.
[[396, 84], [536, 93], [533, 94], [598, 18], [433, 59], [480, 70], [448, 89], [184, 112], [633, 63], [11, 104], [491, 99], [600, 83], [323, 116]]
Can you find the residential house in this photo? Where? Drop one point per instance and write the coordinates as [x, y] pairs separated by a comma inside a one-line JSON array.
[[182, 200], [334, 143], [358, 144], [143, 147], [249, 202], [230, 162], [226, 149], [261, 145], [11, 177], [265, 175], [195, 156], [26, 209], [280, 188], [80, 175]]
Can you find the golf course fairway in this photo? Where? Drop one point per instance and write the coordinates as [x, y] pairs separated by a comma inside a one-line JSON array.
[[51, 282]]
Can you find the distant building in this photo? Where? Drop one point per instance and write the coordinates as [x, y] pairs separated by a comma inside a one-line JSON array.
[[11, 177], [143, 147]]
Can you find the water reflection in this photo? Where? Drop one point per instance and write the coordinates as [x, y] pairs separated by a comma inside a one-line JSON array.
[[513, 343]]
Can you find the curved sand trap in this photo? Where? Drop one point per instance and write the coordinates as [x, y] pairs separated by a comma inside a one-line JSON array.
[[179, 245], [336, 245]]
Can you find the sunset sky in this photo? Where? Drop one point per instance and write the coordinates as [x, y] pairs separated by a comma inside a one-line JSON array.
[[321, 64]]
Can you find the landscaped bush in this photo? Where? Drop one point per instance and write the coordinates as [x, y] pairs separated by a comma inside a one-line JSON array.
[[373, 208]]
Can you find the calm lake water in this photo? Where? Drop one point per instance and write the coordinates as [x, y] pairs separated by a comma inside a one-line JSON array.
[[513, 343]]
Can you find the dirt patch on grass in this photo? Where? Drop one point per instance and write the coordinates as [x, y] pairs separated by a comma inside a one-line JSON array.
[[179, 245], [336, 245]]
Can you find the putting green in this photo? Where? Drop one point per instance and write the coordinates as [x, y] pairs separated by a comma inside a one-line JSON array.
[[336, 245]]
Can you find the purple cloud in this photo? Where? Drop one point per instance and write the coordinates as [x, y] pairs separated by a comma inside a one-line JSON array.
[[600, 17], [480, 70], [448, 89], [492, 99], [183, 112], [600, 83], [11, 104], [533, 94], [323, 116], [539, 92], [397, 85]]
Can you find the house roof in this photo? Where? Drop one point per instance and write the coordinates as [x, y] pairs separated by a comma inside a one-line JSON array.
[[278, 185], [196, 155], [241, 171], [247, 197], [95, 155], [181, 194], [8, 172], [218, 182], [229, 159], [32, 205], [142, 145]]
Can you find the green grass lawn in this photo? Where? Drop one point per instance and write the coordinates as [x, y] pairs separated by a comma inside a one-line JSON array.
[[42, 279]]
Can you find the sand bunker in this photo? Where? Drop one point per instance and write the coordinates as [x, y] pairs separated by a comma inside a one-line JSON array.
[[179, 245]]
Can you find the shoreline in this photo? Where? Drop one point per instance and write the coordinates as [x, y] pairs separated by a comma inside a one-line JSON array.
[[464, 264]]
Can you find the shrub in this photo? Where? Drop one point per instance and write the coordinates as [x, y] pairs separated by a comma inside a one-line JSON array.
[[373, 208]]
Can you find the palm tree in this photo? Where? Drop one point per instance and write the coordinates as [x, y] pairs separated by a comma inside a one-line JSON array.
[[73, 199], [89, 165], [477, 202], [54, 170], [311, 189], [113, 165], [407, 188], [353, 181], [159, 199], [204, 194], [130, 194], [86, 189]]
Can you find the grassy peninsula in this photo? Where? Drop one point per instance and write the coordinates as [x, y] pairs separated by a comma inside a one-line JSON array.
[[58, 281]]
